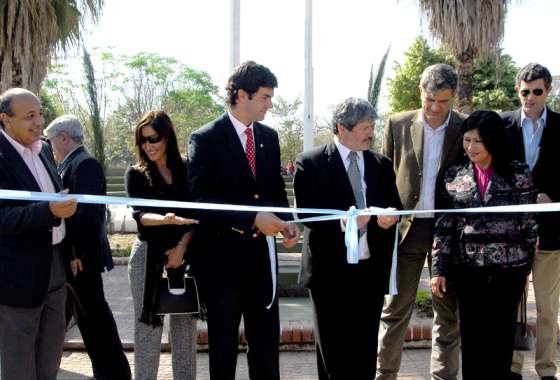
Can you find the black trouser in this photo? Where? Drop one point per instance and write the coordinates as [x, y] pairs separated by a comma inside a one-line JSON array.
[[98, 328], [244, 291], [488, 301], [346, 314]]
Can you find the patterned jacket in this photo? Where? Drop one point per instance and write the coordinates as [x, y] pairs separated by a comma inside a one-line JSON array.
[[485, 240]]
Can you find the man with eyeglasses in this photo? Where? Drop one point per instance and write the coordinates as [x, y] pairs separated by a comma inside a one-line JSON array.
[[534, 130]]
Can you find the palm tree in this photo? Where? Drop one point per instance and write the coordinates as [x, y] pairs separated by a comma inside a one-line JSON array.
[[467, 29], [32, 31]]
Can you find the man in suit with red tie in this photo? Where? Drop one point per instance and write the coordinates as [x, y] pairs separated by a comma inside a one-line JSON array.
[[236, 160]]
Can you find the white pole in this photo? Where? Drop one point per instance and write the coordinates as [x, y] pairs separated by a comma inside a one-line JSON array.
[[235, 34], [308, 116]]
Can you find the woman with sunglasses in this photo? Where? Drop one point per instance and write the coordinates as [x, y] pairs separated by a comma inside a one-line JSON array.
[[163, 237], [488, 255]]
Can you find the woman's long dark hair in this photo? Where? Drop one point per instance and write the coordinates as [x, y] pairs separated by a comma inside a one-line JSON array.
[[492, 131], [162, 124]]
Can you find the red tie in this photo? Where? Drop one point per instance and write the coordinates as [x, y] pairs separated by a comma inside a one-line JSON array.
[[250, 151]]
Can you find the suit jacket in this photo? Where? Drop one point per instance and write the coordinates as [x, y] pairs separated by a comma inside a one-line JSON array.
[[544, 172], [87, 236], [25, 231], [321, 181], [403, 143], [218, 172]]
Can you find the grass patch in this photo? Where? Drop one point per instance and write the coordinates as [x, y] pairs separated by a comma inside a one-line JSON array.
[[121, 244]]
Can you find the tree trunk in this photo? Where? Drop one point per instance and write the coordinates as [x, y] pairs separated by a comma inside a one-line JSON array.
[[465, 63]]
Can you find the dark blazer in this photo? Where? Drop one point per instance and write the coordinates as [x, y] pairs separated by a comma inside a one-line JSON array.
[[83, 174], [25, 231], [321, 181], [544, 172], [218, 172]]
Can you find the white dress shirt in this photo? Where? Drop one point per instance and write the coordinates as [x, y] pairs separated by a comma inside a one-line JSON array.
[[532, 137], [344, 152], [41, 175], [433, 145], [240, 129]]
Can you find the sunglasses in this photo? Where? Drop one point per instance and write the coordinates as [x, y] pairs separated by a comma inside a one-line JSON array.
[[153, 139], [536, 92]]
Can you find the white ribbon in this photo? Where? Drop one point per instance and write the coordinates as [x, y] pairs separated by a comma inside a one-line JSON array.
[[351, 235]]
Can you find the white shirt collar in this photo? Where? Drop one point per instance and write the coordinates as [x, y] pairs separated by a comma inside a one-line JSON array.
[[238, 125], [344, 151], [35, 147], [542, 117], [439, 128]]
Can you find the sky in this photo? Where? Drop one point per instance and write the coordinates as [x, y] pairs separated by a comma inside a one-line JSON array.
[[348, 37]]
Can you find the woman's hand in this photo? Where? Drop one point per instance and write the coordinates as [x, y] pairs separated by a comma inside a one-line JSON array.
[[171, 218], [175, 256], [439, 286]]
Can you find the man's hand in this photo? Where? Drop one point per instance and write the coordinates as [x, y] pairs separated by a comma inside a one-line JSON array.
[[175, 256], [63, 209], [439, 286], [291, 235], [76, 266], [386, 221], [269, 224], [543, 198], [363, 220], [171, 218]]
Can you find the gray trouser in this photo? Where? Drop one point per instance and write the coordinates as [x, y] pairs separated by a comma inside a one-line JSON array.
[[32, 340], [147, 339], [397, 312]]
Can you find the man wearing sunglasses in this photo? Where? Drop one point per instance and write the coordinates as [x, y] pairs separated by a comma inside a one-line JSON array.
[[534, 130]]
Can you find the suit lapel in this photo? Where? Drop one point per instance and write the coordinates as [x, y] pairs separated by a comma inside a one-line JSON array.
[[235, 147], [17, 165], [339, 175], [518, 141], [371, 174], [48, 161], [452, 133], [260, 151], [417, 133]]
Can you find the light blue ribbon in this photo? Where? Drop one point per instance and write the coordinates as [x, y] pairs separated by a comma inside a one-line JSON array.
[[351, 236]]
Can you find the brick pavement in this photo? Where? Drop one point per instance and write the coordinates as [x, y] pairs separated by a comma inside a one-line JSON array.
[[293, 366]]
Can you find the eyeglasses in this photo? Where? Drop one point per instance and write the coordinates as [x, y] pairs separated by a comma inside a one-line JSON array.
[[153, 139], [536, 92]]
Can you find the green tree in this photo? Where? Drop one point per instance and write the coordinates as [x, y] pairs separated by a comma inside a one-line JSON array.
[[374, 87], [51, 107], [468, 30], [493, 84], [94, 110], [290, 127], [32, 30]]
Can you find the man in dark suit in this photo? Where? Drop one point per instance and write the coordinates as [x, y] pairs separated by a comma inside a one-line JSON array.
[[236, 160], [32, 261], [339, 175], [534, 130], [83, 174]]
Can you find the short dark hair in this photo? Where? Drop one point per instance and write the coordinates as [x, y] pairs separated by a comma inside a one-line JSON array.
[[249, 77], [351, 112], [534, 71], [492, 131]]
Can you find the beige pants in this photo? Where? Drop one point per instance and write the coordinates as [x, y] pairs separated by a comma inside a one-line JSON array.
[[546, 283]]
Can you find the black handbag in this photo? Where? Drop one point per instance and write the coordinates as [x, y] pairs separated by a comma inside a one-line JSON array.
[[523, 339], [177, 297]]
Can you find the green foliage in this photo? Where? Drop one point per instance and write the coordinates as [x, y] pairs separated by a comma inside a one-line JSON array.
[[423, 302], [94, 111], [290, 127], [493, 79], [374, 87], [129, 86], [403, 88], [51, 107]]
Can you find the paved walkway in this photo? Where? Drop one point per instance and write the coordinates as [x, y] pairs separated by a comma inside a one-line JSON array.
[[293, 366]]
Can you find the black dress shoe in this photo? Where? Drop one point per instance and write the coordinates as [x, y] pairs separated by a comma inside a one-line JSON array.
[[549, 378], [515, 376]]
